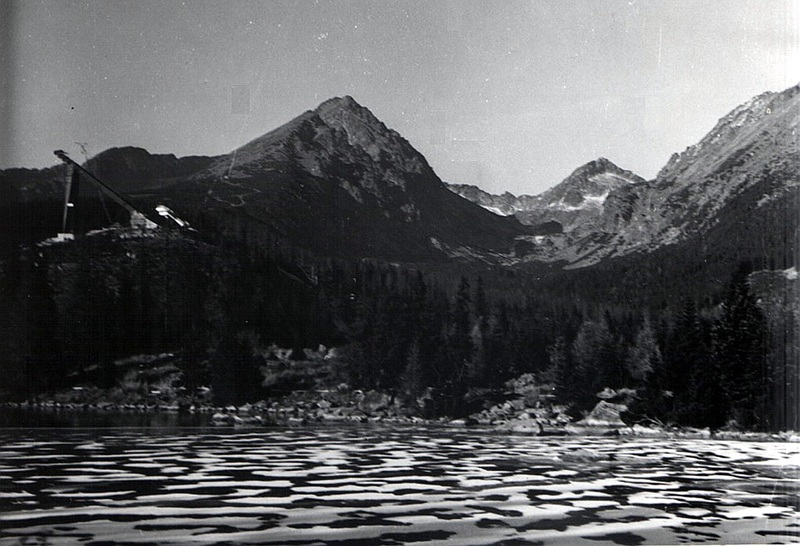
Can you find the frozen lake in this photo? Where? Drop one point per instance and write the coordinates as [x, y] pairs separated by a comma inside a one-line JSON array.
[[390, 485]]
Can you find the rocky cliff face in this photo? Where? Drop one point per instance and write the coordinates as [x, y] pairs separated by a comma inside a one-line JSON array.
[[506, 204], [342, 143]]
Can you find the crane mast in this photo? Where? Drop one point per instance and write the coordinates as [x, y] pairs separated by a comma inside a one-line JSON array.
[[100, 184], [72, 186]]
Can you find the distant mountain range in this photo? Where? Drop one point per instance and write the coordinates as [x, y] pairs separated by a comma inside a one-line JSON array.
[[743, 173], [579, 197], [333, 230], [337, 182]]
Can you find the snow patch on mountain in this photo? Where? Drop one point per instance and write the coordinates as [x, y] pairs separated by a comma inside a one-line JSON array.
[[498, 210], [588, 201]]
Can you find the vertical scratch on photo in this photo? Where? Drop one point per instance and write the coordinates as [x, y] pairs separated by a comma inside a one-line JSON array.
[[244, 124]]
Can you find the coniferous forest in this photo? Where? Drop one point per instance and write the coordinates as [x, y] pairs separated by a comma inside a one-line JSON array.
[[327, 254], [222, 306]]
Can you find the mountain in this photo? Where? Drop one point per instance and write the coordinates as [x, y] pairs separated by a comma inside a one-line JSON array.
[[334, 180], [128, 169], [736, 187], [578, 198], [134, 170], [338, 182], [506, 204], [749, 162], [623, 269], [31, 200]]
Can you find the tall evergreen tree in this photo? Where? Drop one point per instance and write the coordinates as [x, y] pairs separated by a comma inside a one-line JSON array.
[[693, 375], [741, 346], [644, 356], [558, 372], [590, 351], [460, 350]]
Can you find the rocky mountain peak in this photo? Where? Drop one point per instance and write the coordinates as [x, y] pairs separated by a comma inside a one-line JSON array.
[[362, 186], [595, 166], [748, 161], [339, 103], [589, 185], [367, 133], [339, 141]]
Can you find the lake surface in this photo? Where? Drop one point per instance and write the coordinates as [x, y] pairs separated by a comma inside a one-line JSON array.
[[389, 485]]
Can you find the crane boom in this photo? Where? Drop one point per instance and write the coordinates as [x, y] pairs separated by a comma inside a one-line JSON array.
[[102, 185]]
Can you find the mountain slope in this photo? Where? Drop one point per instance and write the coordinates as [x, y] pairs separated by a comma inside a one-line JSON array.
[[576, 199], [338, 182], [134, 170], [743, 173], [580, 197], [32, 200], [128, 170], [752, 151]]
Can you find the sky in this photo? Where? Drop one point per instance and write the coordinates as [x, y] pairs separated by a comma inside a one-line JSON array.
[[510, 95]]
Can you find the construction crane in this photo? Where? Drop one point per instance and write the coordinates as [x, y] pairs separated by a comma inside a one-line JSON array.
[[127, 205], [72, 188]]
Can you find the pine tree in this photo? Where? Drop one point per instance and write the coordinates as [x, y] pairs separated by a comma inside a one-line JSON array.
[[481, 306], [693, 375], [741, 347], [590, 350], [644, 356], [413, 380], [558, 372], [460, 350]]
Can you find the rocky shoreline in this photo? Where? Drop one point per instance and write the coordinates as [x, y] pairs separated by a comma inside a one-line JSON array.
[[273, 414], [525, 407]]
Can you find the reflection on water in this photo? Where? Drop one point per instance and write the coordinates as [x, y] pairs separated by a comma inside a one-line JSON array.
[[370, 485], [77, 418]]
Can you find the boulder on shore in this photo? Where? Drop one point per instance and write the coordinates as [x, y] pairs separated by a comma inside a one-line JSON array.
[[374, 401], [605, 414]]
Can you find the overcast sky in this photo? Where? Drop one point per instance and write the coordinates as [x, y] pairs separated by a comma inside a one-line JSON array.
[[509, 95]]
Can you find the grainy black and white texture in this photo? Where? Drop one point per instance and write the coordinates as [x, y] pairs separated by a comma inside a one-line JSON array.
[[385, 485]]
